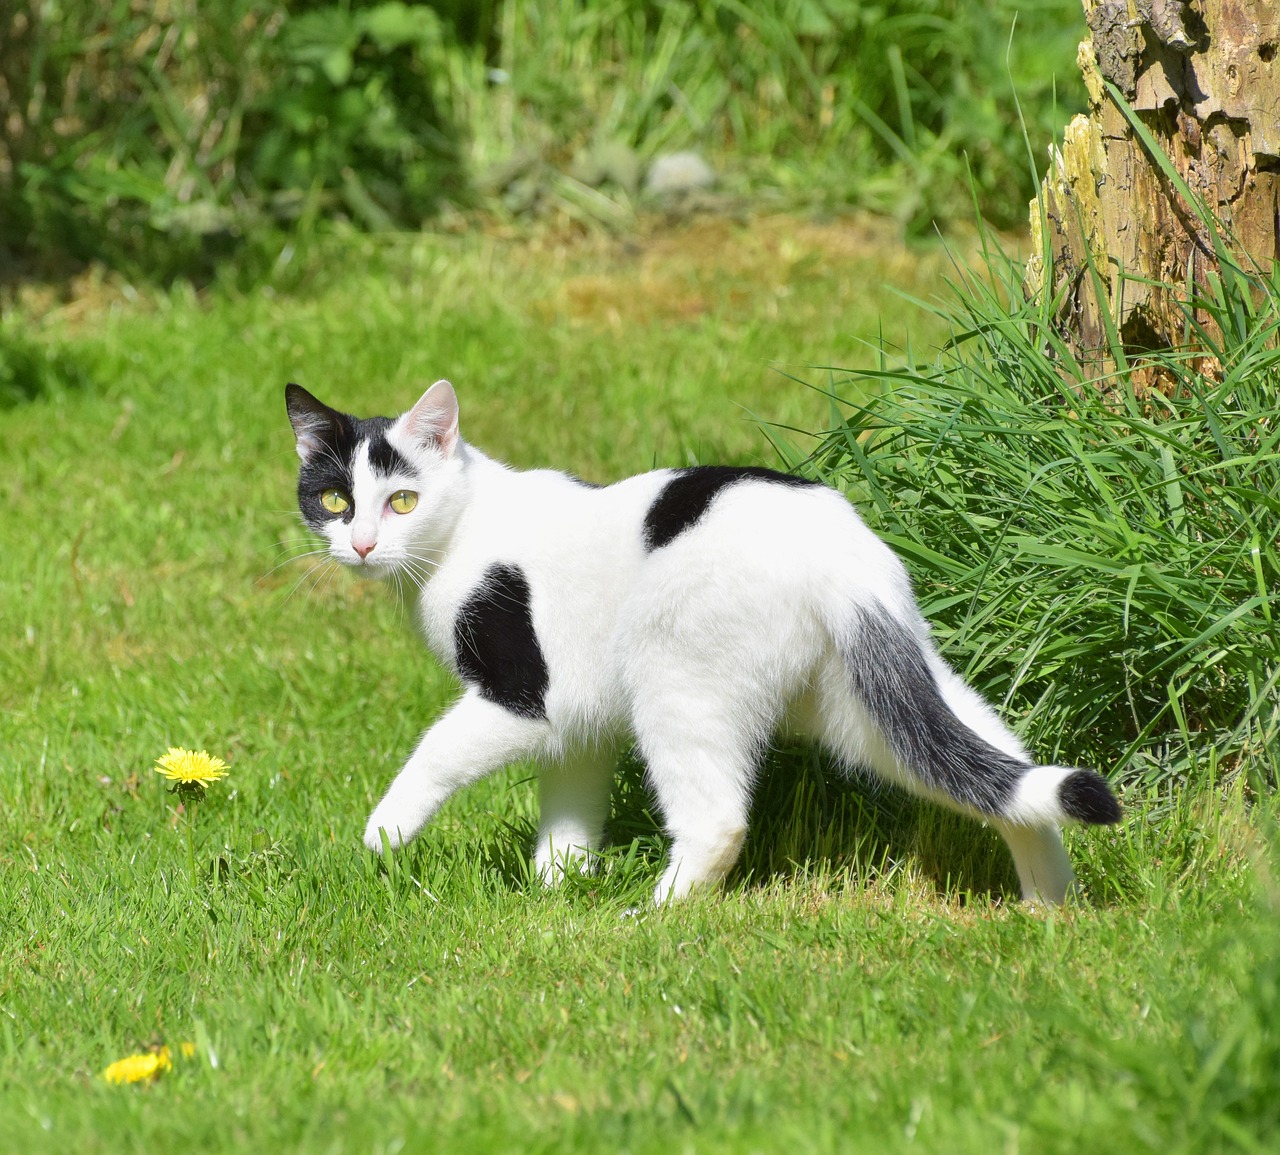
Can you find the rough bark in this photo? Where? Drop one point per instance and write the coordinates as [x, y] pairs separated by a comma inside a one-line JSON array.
[[1204, 77]]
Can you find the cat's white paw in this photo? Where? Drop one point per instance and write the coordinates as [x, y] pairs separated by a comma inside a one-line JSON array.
[[553, 861], [382, 826]]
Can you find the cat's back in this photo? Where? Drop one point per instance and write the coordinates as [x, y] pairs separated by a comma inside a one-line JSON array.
[[720, 515], [555, 519], [695, 523], [728, 541], [708, 504], [577, 545]]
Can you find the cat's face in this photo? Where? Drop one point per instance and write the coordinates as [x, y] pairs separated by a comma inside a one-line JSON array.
[[379, 490]]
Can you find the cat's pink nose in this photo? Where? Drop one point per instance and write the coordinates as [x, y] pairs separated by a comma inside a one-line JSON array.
[[363, 550]]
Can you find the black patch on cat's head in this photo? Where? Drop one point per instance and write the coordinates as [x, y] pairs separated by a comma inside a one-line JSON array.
[[686, 497], [328, 441], [384, 458], [495, 645]]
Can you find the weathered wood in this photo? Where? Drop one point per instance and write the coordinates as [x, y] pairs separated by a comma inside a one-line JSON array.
[[1203, 75]]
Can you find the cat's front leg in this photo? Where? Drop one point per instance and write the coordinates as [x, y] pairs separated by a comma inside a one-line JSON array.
[[473, 739], [574, 795]]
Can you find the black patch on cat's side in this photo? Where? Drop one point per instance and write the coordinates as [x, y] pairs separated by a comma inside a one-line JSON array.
[[495, 645], [892, 679], [1085, 795], [686, 497]]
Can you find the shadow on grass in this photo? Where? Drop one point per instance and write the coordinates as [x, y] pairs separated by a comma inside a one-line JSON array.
[[806, 814], [29, 369]]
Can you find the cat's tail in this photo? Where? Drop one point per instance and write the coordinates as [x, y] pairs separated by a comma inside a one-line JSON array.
[[892, 678]]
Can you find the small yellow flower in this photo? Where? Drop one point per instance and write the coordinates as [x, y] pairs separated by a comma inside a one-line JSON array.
[[137, 1068], [191, 767]]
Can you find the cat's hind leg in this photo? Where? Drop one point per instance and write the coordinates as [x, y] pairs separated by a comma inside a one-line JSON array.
[[474, 738], [574, 793], [1044, 871], [704, 801], [714, 647], [911, 719], [701, 760]]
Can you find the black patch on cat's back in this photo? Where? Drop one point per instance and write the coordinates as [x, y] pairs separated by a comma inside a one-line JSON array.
[[496, 647], [686, 497]]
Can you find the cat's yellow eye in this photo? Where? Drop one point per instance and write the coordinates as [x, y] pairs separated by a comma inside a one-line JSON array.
[[403, 501], [335, 501]]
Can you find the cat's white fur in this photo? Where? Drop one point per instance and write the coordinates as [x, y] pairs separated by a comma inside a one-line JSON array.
[[698, 651]]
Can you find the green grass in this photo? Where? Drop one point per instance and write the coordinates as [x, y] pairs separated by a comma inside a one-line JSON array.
[[862, 985]]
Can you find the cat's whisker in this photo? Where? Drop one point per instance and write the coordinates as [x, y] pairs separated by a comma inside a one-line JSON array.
[[320, 575], [288, 561], [283, 554], [398, 593], [402, 598], [298, 585], [283, 544], [322, 582], [317, 578], [419, 569], [328, 579], [343, 467]]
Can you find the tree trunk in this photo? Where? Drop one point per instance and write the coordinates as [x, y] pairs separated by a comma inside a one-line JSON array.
[[1204, 77]]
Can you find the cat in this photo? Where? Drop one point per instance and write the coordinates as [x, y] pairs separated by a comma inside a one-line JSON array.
[[693, 612]]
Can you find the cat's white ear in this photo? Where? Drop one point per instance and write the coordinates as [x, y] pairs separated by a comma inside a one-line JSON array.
[[311, 420], [434, 420]]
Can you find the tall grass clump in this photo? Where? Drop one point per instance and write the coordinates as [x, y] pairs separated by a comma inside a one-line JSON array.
[[1102, 555]]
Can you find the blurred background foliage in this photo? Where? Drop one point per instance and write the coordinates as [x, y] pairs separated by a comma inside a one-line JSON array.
[[163, 136]]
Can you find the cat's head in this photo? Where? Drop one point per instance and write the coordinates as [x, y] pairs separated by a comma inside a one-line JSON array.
[[383, 492]]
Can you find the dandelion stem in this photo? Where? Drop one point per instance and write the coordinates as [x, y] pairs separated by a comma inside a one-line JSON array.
[[191, 846]]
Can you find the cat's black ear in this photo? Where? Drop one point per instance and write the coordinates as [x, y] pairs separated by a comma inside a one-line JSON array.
[[311, 419], [434, 420]]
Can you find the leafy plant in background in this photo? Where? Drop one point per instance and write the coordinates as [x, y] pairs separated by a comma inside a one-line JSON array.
[[164, 136], [157, 137], [125, 126], [1102, 555], [360, 116]]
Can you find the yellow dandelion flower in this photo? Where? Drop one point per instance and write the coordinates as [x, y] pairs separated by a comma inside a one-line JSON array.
[[137, 1068], [191, 767]]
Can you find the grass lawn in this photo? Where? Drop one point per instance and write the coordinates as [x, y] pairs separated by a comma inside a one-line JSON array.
[[863, 984]]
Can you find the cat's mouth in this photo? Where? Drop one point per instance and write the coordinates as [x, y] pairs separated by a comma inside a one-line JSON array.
[[370, 564]]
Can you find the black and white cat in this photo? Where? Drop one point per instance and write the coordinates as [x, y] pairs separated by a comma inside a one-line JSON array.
[[694, 612]]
